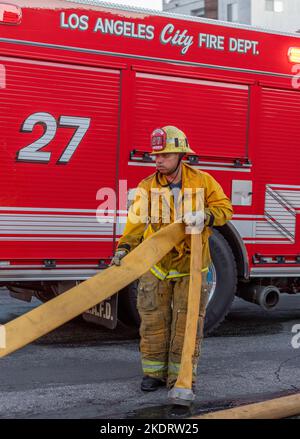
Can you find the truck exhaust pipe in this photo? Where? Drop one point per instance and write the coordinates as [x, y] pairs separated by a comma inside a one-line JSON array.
[[266, 296]]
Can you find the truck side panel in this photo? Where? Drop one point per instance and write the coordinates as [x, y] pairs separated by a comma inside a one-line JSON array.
[[276, 184], [214, 114], [59, 141]]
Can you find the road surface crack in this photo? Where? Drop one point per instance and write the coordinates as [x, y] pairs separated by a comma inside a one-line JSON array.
[[278, 372]]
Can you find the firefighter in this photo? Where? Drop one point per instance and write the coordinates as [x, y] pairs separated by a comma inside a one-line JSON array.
[[163, 291]]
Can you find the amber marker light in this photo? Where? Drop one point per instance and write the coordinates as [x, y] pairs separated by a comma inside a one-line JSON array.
[[294, 54]]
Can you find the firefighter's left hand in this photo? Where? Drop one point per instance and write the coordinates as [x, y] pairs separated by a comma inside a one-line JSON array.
[[116, 260], [195, 219]]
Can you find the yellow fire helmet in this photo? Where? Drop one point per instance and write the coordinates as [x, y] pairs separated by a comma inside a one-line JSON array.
[[169, 139]]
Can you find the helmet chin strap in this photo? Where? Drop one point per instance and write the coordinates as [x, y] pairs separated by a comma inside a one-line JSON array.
[[175, 170]]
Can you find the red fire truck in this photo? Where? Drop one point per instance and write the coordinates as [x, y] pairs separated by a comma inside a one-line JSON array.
[[82, 86]]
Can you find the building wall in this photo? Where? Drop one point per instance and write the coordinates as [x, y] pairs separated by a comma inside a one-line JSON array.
[[243, 10], [251, 12], [189, 7], [182, 6], [287, 21]]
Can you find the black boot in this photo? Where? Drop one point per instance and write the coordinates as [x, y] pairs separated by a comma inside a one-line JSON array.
[[150, 384]]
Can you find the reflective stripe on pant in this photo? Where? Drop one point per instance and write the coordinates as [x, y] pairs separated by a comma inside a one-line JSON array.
[[162, 306]]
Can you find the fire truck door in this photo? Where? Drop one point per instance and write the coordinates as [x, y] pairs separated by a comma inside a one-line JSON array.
[[58, 149]]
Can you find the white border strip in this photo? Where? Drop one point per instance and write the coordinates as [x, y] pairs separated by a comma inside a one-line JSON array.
[[46, 274], [55, 239], [284, 186], [275, 272], [152, 165], [54, 209], [147, 58], [192, 81], [40, 266], [61, 65], [266, 242]]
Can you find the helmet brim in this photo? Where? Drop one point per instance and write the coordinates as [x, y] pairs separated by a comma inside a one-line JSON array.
[[189, 151]]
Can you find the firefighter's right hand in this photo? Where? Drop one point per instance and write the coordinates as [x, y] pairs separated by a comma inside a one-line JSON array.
[[116, 260], [195, 219]]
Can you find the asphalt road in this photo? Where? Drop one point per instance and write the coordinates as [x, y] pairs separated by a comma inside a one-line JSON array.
[[84, 371]]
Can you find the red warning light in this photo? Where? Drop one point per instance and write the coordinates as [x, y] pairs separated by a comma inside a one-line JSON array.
[[10, 14]]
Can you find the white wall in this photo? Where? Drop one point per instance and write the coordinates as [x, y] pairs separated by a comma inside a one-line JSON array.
[[244, 10], [183, 6], [252, 12], [287, 21]]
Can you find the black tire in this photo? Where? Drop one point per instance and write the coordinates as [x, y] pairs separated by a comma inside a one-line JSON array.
[[226, 282], [127, 310], [221, 300]]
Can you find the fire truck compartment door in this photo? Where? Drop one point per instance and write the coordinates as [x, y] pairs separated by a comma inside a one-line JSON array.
[[58, 148], [214, 115]]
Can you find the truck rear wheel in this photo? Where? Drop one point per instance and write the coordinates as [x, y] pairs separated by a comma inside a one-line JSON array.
[[127, 310], [222, 282]]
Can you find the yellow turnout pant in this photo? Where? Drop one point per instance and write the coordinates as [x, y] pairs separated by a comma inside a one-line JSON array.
[[162, 305]]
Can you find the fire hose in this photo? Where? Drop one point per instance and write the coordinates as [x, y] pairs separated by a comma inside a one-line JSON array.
[[277, 408], [182, 393], [49, 316]]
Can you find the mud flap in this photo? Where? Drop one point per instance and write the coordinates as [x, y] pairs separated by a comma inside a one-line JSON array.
[[104, 313]]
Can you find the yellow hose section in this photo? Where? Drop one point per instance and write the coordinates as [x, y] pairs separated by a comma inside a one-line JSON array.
[[61, 309], [278, 408], [185, 375]]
